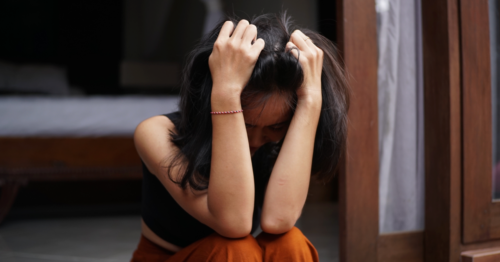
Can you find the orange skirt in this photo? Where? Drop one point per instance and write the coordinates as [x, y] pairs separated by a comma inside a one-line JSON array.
[[290, 246]]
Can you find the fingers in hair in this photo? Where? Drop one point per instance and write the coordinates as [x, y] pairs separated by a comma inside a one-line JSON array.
[[240, 29], [292, 48], [250, 34], [258, 45], [226, 30], [299, 39]]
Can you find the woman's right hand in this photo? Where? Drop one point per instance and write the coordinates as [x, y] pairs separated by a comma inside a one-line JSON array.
[[233, 58]]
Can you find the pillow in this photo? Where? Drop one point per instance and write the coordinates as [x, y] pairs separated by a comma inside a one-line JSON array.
[[45, 79]]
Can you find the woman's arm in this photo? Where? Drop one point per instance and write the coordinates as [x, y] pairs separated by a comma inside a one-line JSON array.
[[227, 205], [231, 190], [288, 185]]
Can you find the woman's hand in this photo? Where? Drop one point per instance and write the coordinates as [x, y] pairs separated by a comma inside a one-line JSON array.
[[233, 58], [311, 60]]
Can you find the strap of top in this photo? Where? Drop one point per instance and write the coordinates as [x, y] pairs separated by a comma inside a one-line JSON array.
[[175, 117]]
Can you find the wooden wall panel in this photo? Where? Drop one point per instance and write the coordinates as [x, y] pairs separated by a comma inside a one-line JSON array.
[[477, 150], [401, 246], [495, 220], [358, 183], [442, 130], [68, 152]]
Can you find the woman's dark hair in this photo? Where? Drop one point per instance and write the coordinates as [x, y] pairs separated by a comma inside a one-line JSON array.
[[276, 71]]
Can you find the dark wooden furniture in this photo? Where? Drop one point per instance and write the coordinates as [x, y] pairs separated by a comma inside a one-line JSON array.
[[482, 255], [62, 158]]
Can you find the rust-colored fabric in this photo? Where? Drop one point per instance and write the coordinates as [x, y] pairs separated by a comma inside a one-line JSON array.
[[290, 246]]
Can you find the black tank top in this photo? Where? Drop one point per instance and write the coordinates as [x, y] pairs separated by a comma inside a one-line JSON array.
[[169, 221]]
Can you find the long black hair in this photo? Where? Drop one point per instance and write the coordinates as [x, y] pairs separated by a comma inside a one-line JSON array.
[[276, 71]]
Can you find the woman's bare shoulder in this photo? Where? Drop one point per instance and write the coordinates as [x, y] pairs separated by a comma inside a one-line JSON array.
[[152, 141], [158, 123]]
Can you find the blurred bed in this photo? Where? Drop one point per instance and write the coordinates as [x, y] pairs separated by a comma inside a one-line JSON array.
[[63, 137], [70, 138]]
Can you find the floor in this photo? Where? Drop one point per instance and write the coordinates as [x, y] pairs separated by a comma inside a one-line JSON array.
[[114, 238]]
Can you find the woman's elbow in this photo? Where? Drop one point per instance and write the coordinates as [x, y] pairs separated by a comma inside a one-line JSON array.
[[276, 225], [238, 229]]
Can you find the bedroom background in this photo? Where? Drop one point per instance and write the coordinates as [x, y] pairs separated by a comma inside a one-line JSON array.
[[114, 49], [76, 77]]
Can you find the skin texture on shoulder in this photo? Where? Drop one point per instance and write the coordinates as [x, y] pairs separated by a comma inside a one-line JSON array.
[[149, 141]]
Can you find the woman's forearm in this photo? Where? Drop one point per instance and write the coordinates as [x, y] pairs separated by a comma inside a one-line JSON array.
[[231, 188], [289, 182]]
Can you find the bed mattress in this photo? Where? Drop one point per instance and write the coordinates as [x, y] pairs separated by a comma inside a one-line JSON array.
[[92, 116]]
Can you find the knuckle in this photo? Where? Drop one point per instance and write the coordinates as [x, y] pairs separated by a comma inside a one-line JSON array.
[[232, 45], [249, 56], [320, 54], [241, 51]]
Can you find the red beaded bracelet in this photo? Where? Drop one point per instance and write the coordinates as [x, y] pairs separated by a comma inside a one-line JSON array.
[[226, 112]]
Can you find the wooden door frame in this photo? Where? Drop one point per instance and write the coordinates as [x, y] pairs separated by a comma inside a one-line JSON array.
[[442, 120], [457, 123], [460, 214], [358, 182], [481, 216]]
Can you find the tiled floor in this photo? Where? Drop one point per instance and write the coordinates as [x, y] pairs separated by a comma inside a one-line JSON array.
[[114, 238]]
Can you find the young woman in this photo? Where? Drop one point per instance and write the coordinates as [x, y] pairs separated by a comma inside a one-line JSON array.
[[263, 107]]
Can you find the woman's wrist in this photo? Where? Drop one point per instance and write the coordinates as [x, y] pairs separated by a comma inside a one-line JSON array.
[[225, 101], [310, 102]]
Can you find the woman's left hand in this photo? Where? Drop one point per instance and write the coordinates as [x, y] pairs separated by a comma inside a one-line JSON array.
[[311, 60]]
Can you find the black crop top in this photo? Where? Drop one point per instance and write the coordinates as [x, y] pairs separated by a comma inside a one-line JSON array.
[[169, 221]]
